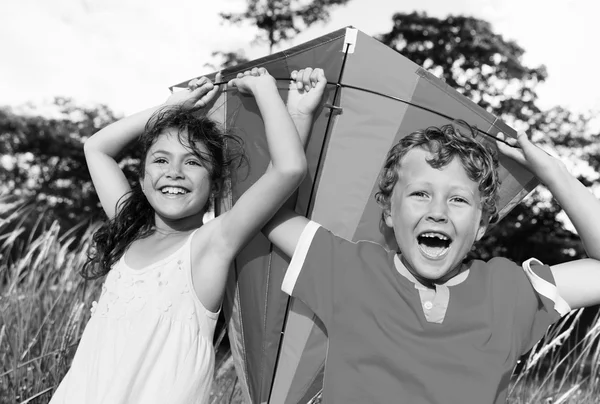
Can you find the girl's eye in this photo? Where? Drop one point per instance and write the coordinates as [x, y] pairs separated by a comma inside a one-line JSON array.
[[160, 160], [419, 194], [194, 162]]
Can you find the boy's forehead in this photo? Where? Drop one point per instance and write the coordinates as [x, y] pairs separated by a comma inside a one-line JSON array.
[[414, 160], [414, 168]]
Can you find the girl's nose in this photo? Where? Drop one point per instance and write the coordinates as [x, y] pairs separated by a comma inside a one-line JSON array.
[[174, 171]]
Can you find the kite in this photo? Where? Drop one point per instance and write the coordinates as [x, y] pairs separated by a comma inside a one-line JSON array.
[[374, 97]]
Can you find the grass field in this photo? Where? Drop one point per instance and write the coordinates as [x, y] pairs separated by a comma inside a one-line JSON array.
[[44, 306]]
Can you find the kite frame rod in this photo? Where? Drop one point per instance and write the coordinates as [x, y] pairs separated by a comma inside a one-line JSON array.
[[338, 86]]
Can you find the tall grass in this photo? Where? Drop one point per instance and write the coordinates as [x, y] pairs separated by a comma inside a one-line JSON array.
[[44, 306]]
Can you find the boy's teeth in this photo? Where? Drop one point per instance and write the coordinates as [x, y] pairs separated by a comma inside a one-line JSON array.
[[438, 235]]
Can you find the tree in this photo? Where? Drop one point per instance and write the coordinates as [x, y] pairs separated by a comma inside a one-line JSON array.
[[482, 65], [471, 58], [227, 59], [43, 160], [281, 20]]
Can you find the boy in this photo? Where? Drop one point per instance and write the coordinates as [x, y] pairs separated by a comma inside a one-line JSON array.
[[420, 325]]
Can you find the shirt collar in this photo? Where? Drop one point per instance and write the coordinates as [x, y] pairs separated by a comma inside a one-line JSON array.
[[460, 278]]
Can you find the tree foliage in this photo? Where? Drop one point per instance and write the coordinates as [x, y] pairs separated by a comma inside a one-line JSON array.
[[482, 65], [280, 20], [471, 58], [227, 59], [43, 161]]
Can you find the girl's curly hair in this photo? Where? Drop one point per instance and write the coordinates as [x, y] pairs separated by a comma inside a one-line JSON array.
[[445, 143], [135, 217]]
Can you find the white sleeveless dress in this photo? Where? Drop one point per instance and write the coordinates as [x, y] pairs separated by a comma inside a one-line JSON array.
[[149, 339]]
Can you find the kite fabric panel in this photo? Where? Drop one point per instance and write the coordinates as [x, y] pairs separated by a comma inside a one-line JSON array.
[[374, 97]]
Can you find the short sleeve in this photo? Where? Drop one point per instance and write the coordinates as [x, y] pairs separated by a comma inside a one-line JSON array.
[[318, 261], [539, 304]]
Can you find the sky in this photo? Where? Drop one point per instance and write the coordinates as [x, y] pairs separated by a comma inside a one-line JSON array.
[[126, 53]]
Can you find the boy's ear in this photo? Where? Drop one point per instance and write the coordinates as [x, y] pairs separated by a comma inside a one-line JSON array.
[[483, 225], [387, 218]]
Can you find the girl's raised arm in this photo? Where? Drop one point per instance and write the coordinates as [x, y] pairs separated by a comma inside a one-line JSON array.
[[304, 97], [288, 167], [102, 149]]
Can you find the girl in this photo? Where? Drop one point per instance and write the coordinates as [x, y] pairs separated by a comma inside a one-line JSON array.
[[149, 339]]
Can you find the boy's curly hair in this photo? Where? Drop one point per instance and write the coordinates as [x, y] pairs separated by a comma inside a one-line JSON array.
[[135, 217], [445, 143]]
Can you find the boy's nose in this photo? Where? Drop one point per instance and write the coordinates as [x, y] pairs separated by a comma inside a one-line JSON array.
[[438, 212], [437, 217]]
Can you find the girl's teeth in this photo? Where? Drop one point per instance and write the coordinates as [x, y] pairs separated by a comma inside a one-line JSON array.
[[173, 190]]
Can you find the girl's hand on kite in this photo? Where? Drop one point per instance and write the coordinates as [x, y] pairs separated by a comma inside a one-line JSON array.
[[306, 90], [524, 152], [199, 93], [251, 80]]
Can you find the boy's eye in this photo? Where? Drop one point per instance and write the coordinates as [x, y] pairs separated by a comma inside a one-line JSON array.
[[459, 199], [419, 194], [194, 163], [160, 160]]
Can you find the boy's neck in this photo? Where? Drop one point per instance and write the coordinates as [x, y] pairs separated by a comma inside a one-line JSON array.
[[430, 283]]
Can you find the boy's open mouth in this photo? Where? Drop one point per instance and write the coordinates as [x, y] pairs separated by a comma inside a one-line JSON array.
[[434, 244]]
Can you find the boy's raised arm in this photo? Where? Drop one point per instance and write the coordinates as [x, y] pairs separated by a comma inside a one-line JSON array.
[[305, 94], [578, 282]]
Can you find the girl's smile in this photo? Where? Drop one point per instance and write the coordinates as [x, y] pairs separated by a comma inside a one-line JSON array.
[[174, 190]]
